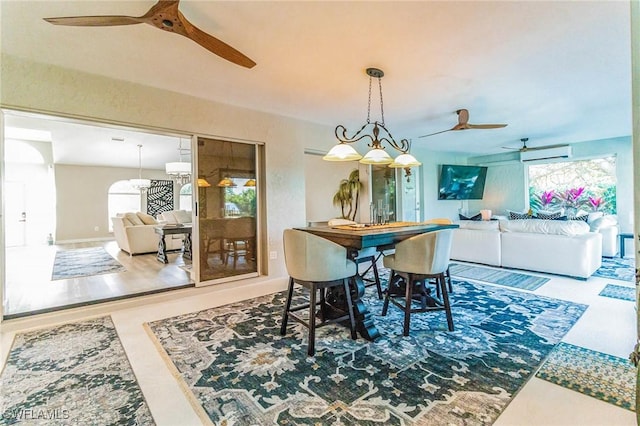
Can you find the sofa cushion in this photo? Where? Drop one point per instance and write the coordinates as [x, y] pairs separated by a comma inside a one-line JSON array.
[[483, 225], [552, 227], [603, 222], [147, 219], [133, 219]]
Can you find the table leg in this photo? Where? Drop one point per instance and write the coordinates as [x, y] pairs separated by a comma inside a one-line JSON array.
[[162, 250], [187, 247], [337, 300]]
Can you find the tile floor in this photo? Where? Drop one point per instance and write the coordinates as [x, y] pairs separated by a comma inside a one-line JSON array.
[[608, 326]]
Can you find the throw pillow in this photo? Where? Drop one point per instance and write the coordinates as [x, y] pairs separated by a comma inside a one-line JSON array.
[[517, 216], [583, 217], [549, 216], [476, 217], [133, 218], [147, 219]]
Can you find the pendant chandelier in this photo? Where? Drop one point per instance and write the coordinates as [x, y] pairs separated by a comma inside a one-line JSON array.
[[377, 134], [179, 171], [140, 184], [227, 181]]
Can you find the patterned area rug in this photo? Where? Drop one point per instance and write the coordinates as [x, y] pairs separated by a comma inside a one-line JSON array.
[[617, 269], [239, 370], [84, 262], [606, 377], [493, 276], [74, 373], [619, 292]]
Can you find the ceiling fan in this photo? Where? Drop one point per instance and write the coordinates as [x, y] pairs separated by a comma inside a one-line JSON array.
[[525, 148], [463, 124], [165, 16]]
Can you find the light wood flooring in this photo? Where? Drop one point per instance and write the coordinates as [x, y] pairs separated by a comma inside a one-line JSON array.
[[29, 288]]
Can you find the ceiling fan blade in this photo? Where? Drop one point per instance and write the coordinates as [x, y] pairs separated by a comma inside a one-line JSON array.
[[214, 45], [485, 126], [511, 149], [94, 21], [546, 147], [436, 133]]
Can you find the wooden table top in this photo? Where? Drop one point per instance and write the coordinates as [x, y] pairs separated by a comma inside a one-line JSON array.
[[373, 236]]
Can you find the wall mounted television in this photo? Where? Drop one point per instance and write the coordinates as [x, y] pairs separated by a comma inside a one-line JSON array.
[[461, 182]]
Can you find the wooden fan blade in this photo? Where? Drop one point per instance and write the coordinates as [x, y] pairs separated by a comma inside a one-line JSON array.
[[436, 133], [214, 45], [485, 126], [94, 21]]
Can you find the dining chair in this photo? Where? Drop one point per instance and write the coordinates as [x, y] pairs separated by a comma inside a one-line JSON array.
[[416, 260], [369, 255], [316, 263], [442, 221], [239, 236]]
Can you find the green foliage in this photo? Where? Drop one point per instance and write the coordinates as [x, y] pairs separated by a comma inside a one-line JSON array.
[[246, 201], [348, 195]]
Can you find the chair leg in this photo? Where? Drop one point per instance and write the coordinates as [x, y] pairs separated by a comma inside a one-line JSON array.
[[445, 298], [449, 280], [407, 304], [375, 274], [312, 321], [287, 306], [385, 306], [352, 321]]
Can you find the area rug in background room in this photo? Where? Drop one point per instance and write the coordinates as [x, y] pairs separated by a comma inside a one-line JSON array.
[[239, 370], [619, 292], [606, 377], [76, 373], [506, 278], [83, 262], [617, 269]]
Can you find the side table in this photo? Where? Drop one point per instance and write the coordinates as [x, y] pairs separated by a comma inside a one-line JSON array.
[[622, 238]]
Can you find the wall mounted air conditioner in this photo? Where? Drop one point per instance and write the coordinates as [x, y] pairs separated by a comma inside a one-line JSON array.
[[546, 154]]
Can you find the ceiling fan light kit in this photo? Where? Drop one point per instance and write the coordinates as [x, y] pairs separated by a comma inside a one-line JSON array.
[[163, 15], [372, 131]]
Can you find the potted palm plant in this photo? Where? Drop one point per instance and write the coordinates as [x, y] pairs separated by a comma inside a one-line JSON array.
[[348, 195]]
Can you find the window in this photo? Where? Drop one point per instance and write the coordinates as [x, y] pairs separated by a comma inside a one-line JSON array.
[[184, 203], [586, 185], [123, 198]]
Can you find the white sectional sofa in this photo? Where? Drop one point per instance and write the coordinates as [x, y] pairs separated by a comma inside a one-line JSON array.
[[552, 246], [134, 232]]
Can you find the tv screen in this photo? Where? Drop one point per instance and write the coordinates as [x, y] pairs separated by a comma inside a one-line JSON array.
[[461, 182]]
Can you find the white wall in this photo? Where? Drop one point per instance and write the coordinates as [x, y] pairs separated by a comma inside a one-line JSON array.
[[322, 179]]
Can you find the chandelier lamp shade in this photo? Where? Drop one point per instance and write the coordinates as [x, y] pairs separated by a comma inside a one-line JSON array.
[[179, 171], [140, 184], [226, 182], [377, 134]]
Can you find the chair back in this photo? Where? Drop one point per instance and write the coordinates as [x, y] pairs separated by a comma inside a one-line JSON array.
[[240, 228], [438, 221], [427, 253], [312, 258]]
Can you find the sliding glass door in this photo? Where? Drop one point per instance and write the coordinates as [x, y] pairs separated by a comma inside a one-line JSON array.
[[227, 210]]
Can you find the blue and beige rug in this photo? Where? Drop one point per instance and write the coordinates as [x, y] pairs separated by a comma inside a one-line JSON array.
[[75, 373], [239, 370], [605, 377], [617, 269], [619, 292], [517, 280], [84, 262]]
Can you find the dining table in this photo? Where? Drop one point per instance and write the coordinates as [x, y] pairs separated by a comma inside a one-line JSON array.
[[362, 236]]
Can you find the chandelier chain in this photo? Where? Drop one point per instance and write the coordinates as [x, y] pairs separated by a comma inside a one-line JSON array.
[[381, 102], [369, 104]]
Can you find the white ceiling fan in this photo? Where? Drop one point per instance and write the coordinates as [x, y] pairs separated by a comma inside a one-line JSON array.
[[525, 148]]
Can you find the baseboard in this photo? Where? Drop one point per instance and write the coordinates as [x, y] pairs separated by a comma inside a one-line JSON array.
[[84, 240]]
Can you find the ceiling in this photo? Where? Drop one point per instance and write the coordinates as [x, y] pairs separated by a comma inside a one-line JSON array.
[[555, 72]]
